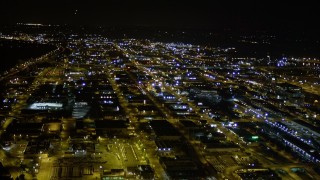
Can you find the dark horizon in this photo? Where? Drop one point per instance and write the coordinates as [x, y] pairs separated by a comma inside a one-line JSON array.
[[245, 16]]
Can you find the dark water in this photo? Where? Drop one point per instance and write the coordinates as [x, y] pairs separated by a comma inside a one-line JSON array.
[[13, 52]]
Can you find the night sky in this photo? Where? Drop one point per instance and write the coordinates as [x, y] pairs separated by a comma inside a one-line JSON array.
[[166, 13]]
